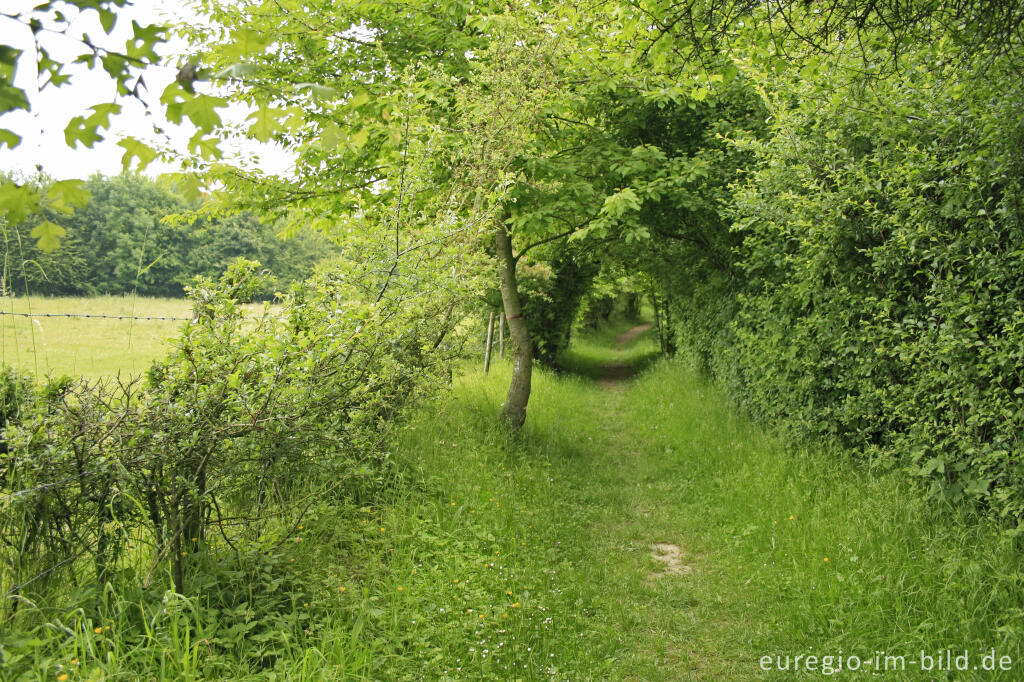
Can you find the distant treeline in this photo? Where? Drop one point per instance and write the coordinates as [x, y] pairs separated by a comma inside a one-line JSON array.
[[121, 242]]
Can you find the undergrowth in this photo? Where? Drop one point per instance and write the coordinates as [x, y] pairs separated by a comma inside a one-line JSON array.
[[501, 556]]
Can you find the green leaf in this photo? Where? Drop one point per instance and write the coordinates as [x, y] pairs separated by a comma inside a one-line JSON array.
[[115, 65], [47, 235], [359, 138], [78, 131], [102, 113], [265, 123], [143, 40], [358, 99], [8, 61], [621, 202], [135, 149], [9, 138], [66, 195], [84, 130], [107, 19], [205, 146], [17, 201], [12, 98], [201, 110], [246, 41]]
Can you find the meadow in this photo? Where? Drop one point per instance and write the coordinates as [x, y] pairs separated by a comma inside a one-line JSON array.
[[46, 343], [89, 347]]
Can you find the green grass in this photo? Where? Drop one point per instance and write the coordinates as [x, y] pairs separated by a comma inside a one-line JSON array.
[[86, 346], [499, 556]]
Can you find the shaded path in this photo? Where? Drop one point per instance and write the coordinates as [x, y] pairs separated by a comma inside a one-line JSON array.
[[617, 372]]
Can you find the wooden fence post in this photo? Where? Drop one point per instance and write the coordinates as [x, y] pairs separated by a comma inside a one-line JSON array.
[[501, 333], [490, 339]]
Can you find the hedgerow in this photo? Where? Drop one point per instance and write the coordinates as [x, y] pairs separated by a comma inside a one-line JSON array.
[[879, 288], [226, 442]]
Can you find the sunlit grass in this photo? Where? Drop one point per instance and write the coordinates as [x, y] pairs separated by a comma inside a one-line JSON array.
[[501, 556], [87, 347], [592, 351]]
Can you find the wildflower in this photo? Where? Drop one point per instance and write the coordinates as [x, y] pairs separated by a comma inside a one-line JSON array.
[[508, 592], [481, 616], [62, 677], [97, 630], [456, 581], [826, 560], [400, 589], [74, 661], [504, 615], [300, 527], [341, 589], [305, 604], [791, 517], [516, 605], [382, 529]]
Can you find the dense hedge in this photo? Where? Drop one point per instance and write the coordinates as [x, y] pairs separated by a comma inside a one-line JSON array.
[[878, 296], [551, 294], [245, 422]]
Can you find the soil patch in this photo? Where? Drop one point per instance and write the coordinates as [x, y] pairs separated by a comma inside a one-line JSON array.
[[670, 555]]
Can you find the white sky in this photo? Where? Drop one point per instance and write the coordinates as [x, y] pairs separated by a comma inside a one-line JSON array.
[[42, 128]]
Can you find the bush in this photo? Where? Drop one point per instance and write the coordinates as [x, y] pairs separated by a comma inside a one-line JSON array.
[[881, 291], [238, 429]]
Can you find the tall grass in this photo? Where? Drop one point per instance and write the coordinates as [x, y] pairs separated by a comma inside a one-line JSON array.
[[502, 556]]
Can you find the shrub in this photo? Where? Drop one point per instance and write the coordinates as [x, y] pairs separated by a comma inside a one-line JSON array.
[[880, 299], [248, 420]]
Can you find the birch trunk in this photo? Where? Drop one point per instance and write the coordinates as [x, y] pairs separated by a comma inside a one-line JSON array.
[[514, 409]]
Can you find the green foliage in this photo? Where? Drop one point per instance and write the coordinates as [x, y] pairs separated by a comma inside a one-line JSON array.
[[69, 22], [127, 237], [246, 422], [551, 294], [881, 293]]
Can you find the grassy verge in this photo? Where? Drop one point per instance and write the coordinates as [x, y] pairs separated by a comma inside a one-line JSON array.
[[502, 557]]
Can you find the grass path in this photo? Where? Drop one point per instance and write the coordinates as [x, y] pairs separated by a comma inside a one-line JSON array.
[[651, 533]]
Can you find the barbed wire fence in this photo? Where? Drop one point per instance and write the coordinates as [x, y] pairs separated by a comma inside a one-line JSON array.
[[98, 316]]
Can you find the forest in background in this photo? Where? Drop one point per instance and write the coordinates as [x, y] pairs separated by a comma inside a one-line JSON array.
[[137, 235]]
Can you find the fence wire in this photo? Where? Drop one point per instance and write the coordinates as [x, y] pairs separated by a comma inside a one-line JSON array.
[[96, 316]]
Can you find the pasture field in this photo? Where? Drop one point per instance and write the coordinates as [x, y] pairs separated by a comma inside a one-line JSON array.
[[88, 347]]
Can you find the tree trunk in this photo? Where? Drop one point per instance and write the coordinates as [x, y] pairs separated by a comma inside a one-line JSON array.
[[514, 409]]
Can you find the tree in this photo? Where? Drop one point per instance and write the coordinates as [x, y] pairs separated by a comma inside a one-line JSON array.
[[503, 111]]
